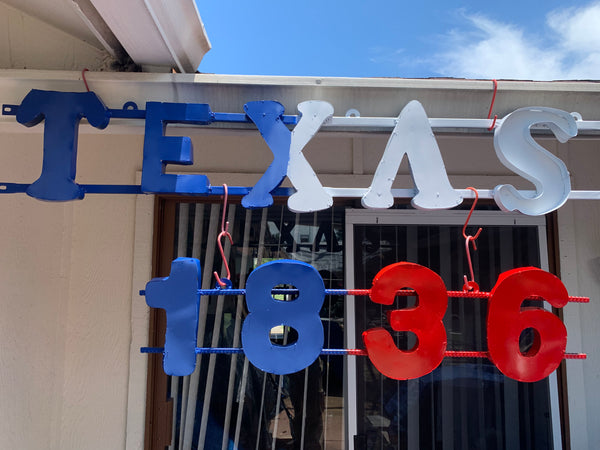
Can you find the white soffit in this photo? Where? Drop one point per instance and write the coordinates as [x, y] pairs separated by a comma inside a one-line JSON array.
[[59, 14], [28, 42], [157, 32]]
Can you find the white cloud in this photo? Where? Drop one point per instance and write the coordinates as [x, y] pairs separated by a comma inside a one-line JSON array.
[[570, 49]]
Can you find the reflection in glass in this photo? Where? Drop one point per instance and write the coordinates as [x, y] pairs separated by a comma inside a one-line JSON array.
[[464, 403]]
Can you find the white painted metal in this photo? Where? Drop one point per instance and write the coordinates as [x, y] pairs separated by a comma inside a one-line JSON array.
[[350, 335], [465, 193], [309, 195], [412, 136], [390, 122], [438, 123], [517, 150]]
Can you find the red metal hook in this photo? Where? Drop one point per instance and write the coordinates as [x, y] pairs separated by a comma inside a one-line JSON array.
[[470, 285], [84, 80], [492, 106], [224, 233]]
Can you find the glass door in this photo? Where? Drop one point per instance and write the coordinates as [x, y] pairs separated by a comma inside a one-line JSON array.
[[465, 402]]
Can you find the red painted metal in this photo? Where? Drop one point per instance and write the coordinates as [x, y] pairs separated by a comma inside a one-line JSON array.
[[224, 233], [471, 285], [507, 319], [424, 320], [84, 80], [492, 106]]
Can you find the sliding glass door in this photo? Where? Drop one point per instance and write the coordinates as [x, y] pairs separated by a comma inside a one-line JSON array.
[[465, 402]]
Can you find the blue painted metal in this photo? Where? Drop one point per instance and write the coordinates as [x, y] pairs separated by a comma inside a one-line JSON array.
[[160, 150], [302, 314], [111, 188], [178, 295], [243, 190], [243, 118], [152, 349], [218, 291], [217, 350], [13, 188], [62, 112], [267, 117], [130, 111], [205, 350], [9, 110]]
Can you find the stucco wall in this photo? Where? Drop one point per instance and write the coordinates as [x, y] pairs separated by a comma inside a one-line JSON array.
[[66, 301], [579, 233]]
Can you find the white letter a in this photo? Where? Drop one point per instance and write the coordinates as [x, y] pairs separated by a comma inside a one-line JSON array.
[[413, 137]]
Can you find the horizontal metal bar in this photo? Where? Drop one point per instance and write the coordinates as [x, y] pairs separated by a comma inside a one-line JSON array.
[[225, 291], [390, 122], [14, 188], [243, 118], [365, 292], [126, 113], [112, 188], [243, 190], [9, 110], [349, 351], [333, 122], [465, 193]]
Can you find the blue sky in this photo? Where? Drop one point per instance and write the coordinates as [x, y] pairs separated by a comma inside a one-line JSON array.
[[550, 40]]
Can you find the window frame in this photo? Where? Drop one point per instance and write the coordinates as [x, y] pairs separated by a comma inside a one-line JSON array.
[[547, 236]]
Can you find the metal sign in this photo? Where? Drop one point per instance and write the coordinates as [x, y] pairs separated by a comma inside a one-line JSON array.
[[412, 136], [179, 295]]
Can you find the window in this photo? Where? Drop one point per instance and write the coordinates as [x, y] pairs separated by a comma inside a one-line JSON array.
[[343, 402], [227, 402]]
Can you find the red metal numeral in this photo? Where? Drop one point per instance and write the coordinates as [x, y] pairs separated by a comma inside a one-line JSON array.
[[507, 319], [425, 320]]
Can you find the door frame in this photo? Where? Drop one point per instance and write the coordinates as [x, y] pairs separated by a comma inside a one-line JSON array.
[[417, 217]]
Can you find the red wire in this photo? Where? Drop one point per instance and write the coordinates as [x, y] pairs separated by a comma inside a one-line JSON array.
[[471, 239], [224, 233], [492, 106], [84, 80]]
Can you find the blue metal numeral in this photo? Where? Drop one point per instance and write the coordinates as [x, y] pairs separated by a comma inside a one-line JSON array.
[[302, 314], [178, 295]]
